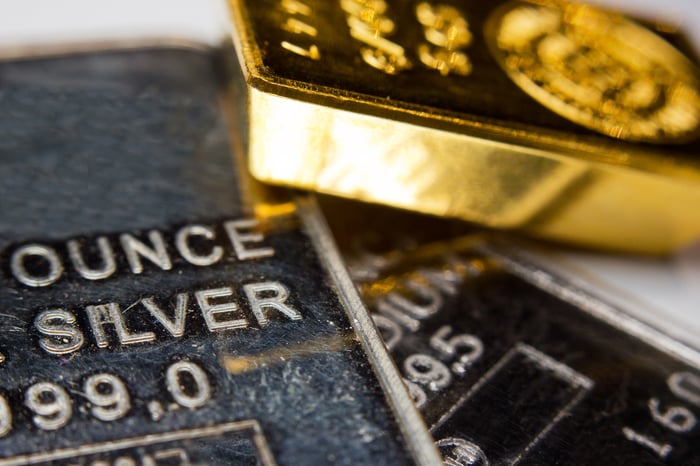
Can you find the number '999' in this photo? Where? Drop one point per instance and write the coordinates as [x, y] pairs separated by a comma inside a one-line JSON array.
[[107, 398]]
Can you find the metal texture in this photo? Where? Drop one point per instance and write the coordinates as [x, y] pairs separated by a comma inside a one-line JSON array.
[[509, 363], [153, 315], [407, 103]]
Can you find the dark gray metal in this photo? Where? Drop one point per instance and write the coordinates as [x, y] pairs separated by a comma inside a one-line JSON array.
[[509, 362], [114, 143]]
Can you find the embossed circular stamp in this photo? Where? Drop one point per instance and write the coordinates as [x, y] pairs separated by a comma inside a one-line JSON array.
[[598, 69]]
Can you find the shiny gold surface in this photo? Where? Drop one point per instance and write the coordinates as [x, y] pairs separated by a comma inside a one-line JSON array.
[[378, 121], [598, 69]]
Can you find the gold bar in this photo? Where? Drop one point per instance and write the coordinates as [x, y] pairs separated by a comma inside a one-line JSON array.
[[556, 119]]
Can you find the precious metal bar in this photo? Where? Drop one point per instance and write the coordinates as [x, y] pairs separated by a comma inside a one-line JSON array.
[[557, 119], [511, 364], [154, 311]]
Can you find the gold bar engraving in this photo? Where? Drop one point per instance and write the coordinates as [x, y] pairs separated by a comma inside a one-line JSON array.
[[425, 109]]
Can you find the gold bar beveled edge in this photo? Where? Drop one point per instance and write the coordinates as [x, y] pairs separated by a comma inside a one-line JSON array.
[[615, 153]]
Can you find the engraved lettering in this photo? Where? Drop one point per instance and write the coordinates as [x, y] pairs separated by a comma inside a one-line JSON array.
[[47, 254], [444, 26], [181, 243], [382, 60], [312, 52], [135, 249], [106, 255], [661, 449], [446, 280], [399, 316], [61, 325], [294, 7], [429, 285], [675, 418], [423, 368], [108, 396], [211, 311], [295, 26], [202, 392], [40, 265], [238, 239], [50, 404], [276, 295], [369, 25], [60, 331], [363, 32], [370, 12], [445, 61], [450, 346], [447, 32], [420, 311], [686, 386], [103, 314], [176, 327]]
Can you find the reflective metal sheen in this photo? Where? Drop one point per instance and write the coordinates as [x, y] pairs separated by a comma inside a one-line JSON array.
[[563, 121], [511, 364], [154, 311]]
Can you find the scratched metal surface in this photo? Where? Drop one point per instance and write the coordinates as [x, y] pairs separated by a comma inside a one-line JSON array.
[[106, 143], [510, 363]]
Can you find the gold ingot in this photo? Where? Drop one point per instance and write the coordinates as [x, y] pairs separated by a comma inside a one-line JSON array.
[[559, 120]]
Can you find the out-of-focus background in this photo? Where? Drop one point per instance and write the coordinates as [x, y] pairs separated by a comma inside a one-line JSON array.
[[664, 293]]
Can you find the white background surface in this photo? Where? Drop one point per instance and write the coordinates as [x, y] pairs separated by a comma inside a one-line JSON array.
[[664, 293]]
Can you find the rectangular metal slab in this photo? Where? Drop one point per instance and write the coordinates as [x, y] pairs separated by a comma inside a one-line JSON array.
[[367, 101], [153, 313], [512, 365]]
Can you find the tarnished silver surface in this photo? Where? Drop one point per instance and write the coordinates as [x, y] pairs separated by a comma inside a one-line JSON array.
[[151, 316], [509, 362]]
